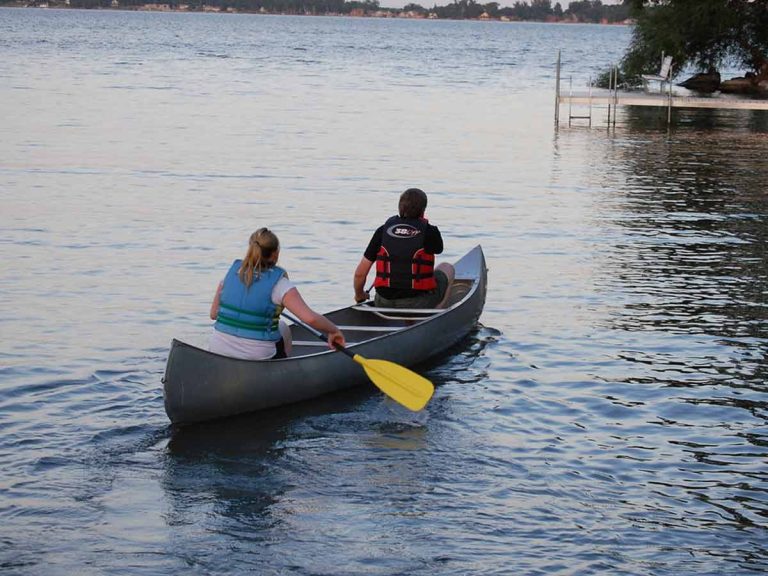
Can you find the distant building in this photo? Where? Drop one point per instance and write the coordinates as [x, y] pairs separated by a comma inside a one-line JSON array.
[[411, 14]]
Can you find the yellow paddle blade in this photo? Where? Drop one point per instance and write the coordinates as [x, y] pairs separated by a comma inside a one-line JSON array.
[[397, 382]]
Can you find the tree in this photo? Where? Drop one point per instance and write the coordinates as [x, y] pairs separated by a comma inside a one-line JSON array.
[[492, 9], [541, 9], [704, 35], [460, 9], [586, 10], [417, 8]]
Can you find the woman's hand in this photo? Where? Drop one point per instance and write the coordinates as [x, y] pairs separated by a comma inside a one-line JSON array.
[[335, 339]]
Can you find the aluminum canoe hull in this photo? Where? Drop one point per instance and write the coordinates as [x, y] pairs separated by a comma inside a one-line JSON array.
[[200, 385]]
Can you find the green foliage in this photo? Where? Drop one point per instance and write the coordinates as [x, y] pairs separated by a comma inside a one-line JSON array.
[[90, 3], [703, 34], [612, 78], [460, 10], [417, 8]]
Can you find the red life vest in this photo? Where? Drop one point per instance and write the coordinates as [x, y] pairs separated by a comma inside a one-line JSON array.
[[401, 261]]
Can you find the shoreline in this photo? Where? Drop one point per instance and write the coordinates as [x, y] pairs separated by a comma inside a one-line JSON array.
[[394, 13]]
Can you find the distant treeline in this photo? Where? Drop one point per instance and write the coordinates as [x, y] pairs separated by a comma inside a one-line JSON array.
[[535, 10]]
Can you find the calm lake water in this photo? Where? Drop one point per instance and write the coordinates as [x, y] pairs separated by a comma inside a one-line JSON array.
[[608, 417]]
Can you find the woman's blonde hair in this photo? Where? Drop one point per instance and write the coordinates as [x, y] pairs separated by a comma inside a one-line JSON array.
[[262, 247]]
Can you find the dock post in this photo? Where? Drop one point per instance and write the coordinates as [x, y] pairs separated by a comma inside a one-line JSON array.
[[557, 92], [610, 87], [669, 102], [615, 94]]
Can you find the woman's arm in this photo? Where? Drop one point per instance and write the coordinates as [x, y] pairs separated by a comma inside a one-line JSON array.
[[296, 305], [216, 300]]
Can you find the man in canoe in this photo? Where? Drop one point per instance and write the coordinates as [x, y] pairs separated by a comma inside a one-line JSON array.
[[404, 249], [248, 303]]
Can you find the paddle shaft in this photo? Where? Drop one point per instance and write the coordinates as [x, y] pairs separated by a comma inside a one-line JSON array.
[[398, 382], [317, 333]]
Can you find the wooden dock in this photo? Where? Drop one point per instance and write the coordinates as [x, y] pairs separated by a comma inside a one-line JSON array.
[[614, 98]]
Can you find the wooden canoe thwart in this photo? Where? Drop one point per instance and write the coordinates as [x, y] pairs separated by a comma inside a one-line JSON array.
[[200, 385]]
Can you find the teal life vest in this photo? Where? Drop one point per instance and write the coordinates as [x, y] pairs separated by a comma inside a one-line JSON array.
[[248, 312]]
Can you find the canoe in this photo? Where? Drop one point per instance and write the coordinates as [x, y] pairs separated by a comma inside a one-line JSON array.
[[200, 385]]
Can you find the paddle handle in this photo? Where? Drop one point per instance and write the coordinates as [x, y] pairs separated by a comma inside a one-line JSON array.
[[317, 333]]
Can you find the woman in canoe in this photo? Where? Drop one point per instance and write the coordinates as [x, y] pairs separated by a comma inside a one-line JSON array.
[[248, 303]]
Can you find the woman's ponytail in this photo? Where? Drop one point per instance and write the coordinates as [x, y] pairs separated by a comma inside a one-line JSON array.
[[262, 247]]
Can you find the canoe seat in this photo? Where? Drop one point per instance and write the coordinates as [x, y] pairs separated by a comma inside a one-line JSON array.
[[358, 328], [400, 313], [350, 328]]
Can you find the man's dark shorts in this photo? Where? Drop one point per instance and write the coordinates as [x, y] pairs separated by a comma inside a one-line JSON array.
[[427, 300]]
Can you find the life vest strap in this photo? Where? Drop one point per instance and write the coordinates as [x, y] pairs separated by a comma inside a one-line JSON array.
[[241, 310], [247, 325]]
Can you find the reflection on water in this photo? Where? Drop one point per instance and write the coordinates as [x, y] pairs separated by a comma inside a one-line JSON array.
[[693, 255], [607, 417], [747, 122], [683, 268]]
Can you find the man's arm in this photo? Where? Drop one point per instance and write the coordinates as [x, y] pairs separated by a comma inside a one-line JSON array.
[[433, 240], [369, 257], [361, 273]]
